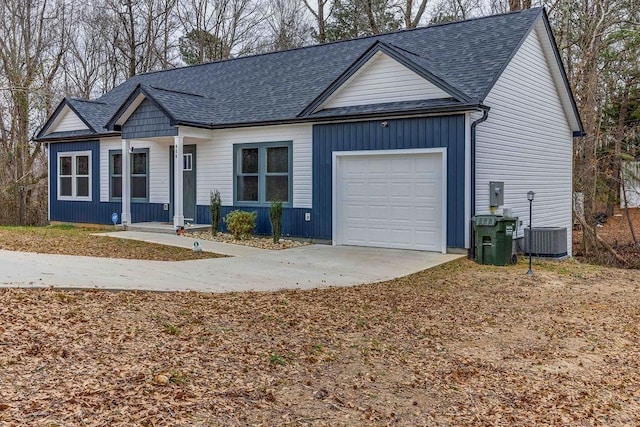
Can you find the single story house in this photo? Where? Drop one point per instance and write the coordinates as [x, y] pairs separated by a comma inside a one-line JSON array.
[[388, 141]]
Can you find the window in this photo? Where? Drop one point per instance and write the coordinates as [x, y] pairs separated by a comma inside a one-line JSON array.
[[115, 174], [74, 176], [263, 173], [139, 175], [187, 165]]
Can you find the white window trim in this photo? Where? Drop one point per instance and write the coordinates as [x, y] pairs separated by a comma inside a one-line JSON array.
[[131, 175], [74, 175], [187, 162], [262, 172]]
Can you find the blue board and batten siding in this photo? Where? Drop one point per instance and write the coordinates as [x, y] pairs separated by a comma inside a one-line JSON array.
[[293, 223], [94, 211], [410, 133], [148, 121]]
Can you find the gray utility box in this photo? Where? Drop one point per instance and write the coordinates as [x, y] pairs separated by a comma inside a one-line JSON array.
[[496, 193], [549, 242]]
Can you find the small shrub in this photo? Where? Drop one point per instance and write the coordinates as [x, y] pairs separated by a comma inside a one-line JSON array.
[[172, 329], [276, 359], [275, 216], [241, 223], [215, 207]]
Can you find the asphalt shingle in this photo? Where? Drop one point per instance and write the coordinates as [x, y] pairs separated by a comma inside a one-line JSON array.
[[467, 55]]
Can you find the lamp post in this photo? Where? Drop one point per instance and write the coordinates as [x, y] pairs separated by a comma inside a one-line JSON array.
[[530, 196]]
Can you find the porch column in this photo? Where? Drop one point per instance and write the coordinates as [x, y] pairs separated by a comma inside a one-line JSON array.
[[125, 217], [178, 169]]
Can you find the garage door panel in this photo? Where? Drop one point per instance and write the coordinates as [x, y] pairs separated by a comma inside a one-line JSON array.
[[378, 189], [390, 200], [355, 189], [400, 189], [428, 211], [378, 213], [431, 188], [401, 213]]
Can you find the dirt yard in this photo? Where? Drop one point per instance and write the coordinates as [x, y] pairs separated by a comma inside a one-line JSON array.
[[617, 233], [70, 240], [461, 344]]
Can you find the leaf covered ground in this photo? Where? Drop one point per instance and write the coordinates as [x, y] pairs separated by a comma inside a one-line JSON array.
[[461, 344], [70, 240]]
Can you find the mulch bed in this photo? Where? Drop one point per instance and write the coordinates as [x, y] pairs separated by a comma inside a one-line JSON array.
[[260, 242]]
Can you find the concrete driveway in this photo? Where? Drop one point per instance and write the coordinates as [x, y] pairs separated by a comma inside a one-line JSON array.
[[247, 269]]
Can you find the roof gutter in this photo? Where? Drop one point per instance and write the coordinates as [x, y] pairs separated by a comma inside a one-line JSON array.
[[485, 116], [338, 118], [49, 140]]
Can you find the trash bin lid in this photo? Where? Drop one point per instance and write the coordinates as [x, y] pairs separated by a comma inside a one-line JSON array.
[[486, 220]]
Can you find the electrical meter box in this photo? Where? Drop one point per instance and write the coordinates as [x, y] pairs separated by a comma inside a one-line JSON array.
[[496, 194]]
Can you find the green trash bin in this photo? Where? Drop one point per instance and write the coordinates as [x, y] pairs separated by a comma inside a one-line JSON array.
[[494, 239]]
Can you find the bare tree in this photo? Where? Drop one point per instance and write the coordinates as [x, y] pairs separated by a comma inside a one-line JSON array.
[[412, 11], [87, 56], [219, 29], [143, 32], [519, 5], [32, 45], [287, 25], [320, 14], [456, 10]]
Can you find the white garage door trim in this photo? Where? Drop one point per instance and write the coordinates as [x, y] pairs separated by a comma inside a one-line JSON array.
[[337, 155]]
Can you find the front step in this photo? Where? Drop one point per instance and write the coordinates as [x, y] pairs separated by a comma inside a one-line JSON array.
[[165, 227]]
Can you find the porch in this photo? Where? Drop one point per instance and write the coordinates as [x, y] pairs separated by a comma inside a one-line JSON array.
[[165, 227], [161, 192]]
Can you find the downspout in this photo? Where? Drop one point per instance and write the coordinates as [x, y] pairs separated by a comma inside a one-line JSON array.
[[48, 153], [485, 115]]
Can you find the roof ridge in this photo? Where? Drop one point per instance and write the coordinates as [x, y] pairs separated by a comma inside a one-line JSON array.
[[372, 36]]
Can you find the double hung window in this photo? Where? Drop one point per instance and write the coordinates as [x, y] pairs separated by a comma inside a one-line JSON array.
[[74, 176], [139, 175], [263, 173]]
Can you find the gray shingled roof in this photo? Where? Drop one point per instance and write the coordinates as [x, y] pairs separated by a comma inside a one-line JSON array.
[[275, 87], [93, 112]]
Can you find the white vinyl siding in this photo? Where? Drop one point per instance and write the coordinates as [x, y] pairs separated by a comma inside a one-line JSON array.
[[527, 141], [158, 173], [383, 79], [68, 121], [215, 160], [631, 173]]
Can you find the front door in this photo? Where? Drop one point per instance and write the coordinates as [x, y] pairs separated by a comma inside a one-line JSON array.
[[188, 182]]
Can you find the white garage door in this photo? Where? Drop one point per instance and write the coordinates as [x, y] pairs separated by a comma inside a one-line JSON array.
[[390, 201]]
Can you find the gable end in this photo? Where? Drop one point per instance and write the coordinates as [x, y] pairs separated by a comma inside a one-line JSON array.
[[148, 121], [381, 80]]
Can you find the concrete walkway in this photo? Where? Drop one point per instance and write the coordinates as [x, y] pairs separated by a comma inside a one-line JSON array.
[[247, 269]]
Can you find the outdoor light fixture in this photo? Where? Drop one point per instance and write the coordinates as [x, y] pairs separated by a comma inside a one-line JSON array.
[[384, 124], [530, 196]]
